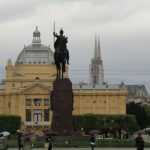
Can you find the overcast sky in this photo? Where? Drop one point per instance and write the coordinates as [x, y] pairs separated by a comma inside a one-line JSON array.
[[123, 27]]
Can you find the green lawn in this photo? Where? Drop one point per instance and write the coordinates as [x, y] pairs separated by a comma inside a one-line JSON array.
[[100, 143]]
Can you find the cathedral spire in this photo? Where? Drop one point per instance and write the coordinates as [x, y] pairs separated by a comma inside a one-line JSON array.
[[99, 49], [96, 67], [95, 49]]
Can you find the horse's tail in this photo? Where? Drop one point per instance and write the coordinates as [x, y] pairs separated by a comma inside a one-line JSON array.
[[67, 56]]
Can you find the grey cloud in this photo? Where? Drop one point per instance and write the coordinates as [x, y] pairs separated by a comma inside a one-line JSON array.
[[18, 9], [122, 24], [87, 10], [94, 12]]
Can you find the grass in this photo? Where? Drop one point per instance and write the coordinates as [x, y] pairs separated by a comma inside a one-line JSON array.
[[14, 144], [81, 144]]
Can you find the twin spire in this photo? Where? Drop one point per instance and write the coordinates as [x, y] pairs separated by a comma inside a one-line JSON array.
[[97, 52]]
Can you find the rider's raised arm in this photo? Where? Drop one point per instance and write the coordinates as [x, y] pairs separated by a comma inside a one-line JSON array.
[[55, 34]]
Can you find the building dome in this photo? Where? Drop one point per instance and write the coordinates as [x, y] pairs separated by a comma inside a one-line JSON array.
[[36, 53]]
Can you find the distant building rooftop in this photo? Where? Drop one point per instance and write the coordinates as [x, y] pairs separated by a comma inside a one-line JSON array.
[[97, 87], [137, 90]]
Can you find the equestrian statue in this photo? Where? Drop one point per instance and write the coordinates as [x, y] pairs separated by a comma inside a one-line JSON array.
[[61, 54]]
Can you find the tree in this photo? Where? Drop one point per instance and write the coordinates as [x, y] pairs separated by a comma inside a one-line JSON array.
[[147, 109], [139, 112], [104, 123], [10, 123]]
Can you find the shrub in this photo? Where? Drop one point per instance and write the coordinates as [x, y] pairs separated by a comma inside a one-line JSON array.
[[9, 123]]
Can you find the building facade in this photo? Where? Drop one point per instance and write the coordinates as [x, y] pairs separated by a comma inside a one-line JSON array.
[[28, 84], [100, 99]]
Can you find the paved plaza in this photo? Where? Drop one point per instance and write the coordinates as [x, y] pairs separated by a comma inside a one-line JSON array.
[[84, 149]]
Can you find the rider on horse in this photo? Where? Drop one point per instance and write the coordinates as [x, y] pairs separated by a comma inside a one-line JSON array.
[[60, 45], [61, 54]]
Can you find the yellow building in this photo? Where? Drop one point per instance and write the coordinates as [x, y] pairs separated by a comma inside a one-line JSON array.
[[101, 99], [28, 84]]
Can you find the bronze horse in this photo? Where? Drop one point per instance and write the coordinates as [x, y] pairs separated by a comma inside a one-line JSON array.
[[61, 54]]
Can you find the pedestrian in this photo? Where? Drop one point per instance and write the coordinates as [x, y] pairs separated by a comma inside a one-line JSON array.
[[20, 146], [92, 140], [139, 142], [50, 142], [27, 144]]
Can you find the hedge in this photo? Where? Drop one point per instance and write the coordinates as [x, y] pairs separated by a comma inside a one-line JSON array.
[[10, 123], [105, 122]]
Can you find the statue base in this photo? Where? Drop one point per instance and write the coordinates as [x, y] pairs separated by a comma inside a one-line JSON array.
[[62, 106]]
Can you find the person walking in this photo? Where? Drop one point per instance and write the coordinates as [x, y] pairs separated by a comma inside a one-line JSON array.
[[20, 146], [50, 142], [92, 140], [139, 142]]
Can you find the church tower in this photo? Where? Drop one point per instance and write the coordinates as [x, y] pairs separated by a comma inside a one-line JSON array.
[[96, 67]]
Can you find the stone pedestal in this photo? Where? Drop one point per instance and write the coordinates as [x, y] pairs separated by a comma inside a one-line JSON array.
[[62, 106]]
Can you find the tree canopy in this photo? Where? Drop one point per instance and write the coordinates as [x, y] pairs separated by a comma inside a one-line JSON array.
[[139, 112]]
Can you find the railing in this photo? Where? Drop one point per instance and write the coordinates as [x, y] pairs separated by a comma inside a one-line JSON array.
[[44, 123]]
